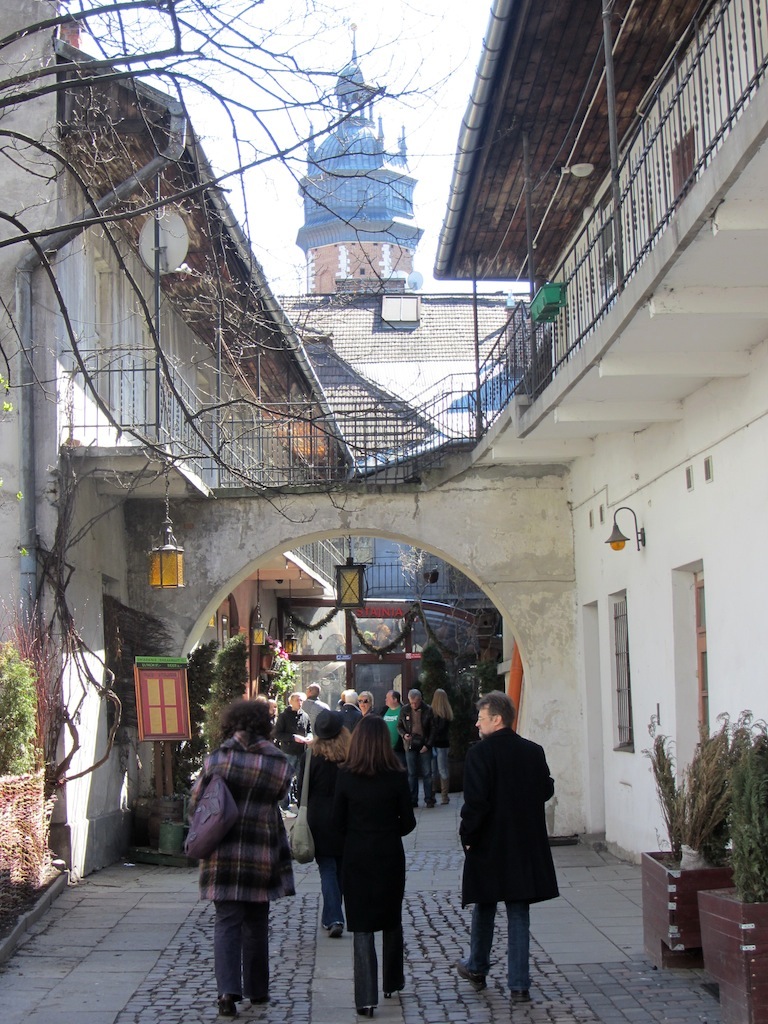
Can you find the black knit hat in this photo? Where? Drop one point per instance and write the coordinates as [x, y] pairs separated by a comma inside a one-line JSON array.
[[328, 725]]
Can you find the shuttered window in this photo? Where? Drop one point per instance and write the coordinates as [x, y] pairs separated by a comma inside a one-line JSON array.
[[625, 734]]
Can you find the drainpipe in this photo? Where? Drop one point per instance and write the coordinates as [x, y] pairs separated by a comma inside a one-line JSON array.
[[613, 141], [24, 301]]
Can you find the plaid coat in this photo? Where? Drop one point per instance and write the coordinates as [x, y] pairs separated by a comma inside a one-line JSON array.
[[253, 863]]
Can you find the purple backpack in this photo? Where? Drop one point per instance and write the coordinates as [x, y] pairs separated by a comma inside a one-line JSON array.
[[213, 817]]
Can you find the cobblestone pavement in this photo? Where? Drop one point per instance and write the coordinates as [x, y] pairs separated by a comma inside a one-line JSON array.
[[133, 945]]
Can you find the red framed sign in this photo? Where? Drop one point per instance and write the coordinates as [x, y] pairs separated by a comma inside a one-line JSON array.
[[162, 698]]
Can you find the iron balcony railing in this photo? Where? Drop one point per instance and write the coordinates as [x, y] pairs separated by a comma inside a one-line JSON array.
[[244, 443], [682, 126]]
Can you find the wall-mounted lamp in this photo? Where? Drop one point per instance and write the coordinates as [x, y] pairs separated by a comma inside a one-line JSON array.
[[617, 540], [578, 170], [166, 559]]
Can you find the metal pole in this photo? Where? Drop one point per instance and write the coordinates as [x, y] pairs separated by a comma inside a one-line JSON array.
[[478, 406], [618, 242], [531, 264], [158, 368]]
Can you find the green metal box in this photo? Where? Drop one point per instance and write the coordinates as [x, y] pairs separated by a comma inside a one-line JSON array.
[[547, 302]]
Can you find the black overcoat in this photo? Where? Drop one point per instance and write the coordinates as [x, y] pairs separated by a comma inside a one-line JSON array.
[[503, 829], [373, 813], [322, 787]]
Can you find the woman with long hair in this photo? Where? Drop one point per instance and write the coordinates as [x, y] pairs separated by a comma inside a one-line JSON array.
[[442, 716], [329, 749], [252, 864], [372, 811]]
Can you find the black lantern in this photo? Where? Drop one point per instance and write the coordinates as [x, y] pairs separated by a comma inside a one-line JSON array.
[[290, 640], [350, 584], [166, 559], [259, 635]]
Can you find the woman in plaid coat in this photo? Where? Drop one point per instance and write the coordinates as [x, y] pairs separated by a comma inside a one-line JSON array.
[[252, 865]]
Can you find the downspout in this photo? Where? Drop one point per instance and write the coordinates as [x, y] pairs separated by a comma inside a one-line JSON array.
[[613, 141], [24, 299]]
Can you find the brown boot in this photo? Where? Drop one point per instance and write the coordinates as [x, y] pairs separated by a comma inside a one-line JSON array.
[[444, 791]]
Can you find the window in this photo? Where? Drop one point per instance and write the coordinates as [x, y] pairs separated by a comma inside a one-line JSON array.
[[624, 731], [701, 650], [400, 311]]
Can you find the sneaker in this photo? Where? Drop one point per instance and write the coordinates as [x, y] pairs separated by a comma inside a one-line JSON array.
[[475, 979], [336, 930], [430, 803], [519, 995], [288, 814]]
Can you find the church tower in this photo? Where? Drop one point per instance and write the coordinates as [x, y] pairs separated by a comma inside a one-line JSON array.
[[358, 233]]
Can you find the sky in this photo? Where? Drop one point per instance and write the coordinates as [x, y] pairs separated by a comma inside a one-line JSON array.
[[425, 52]]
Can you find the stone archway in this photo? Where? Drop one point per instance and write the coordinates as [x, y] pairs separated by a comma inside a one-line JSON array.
[[507, 530]]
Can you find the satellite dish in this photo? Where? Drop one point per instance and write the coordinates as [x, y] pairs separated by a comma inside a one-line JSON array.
[[415, 280], [174, 242]]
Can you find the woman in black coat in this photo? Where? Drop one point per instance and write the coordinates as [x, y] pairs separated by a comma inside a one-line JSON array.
[[329, 748], [372, 810]]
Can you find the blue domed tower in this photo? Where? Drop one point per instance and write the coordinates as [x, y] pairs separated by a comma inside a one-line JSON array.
[[358, 232]]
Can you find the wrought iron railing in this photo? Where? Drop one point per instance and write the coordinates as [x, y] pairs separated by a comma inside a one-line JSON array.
[[682, 125], [245, 443]]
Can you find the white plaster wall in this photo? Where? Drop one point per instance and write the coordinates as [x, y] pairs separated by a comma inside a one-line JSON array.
[[718, 527], [27, 196]]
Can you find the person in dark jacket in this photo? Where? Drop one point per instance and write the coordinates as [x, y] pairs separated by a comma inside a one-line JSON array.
[[415, 726], [252, 865], [329, 749], [504, 835], [372, 810], [292, 722], [349, 709], [442, 716]]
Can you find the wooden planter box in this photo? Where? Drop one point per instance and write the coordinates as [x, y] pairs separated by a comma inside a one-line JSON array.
[[735, 941], [671, 930]]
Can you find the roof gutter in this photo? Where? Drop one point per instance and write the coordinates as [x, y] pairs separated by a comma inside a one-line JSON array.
[[473, 128], [28, 539]]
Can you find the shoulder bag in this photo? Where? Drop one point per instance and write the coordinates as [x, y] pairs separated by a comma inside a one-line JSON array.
[[302, 843], [214, 816]]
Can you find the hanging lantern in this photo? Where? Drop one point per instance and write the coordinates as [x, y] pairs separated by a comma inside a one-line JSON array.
[[290, 641], [350, 584], [166, 560], [259, 631], [259, 635]]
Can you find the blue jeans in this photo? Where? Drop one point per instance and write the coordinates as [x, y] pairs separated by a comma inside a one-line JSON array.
[[518, 942], [330, 886], [440, 755], [241, 948], [366, 966], [293, 761], [419, 764]]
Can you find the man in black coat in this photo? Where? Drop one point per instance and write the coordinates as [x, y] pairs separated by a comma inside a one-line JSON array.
[[504, 835]]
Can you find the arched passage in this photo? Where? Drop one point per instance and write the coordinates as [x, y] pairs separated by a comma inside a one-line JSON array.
[[508, 532]]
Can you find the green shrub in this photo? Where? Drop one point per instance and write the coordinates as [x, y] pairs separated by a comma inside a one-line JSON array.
[[230, 680], [200, 680], [19, 750], [749, 810]]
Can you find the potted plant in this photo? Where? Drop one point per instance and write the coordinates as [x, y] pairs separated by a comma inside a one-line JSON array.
[[734, 921], [695, 811]]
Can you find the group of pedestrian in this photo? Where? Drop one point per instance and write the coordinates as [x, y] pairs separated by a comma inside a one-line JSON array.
[[360, 805]]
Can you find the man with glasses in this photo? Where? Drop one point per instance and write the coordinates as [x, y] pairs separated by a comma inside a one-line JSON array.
[[504, 835], [415, 726]]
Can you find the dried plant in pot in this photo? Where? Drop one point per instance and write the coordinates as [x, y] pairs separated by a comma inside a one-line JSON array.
[[734, 922], [695, 809]]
